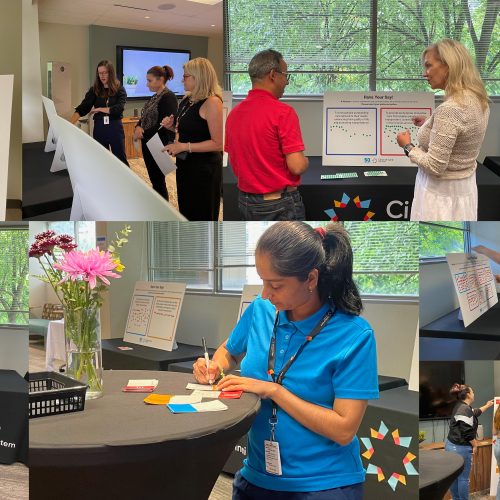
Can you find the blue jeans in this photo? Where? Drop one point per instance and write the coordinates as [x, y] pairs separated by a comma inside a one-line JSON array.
[[496, 451], [288, 207], [243, 490], [460, 487]]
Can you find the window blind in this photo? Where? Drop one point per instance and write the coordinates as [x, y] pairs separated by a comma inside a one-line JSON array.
[[357, 44], [14, 289]]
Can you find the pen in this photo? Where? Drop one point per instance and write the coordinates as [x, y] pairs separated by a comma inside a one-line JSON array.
[[207, 358]]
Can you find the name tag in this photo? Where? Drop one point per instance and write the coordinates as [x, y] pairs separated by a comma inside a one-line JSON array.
[[106, 120], [273, 459]]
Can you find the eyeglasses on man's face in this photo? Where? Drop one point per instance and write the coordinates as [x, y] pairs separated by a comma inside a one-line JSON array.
[[285, 74]]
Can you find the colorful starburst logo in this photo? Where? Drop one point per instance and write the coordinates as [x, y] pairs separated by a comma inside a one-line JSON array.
[[395, 478], [344, 202]]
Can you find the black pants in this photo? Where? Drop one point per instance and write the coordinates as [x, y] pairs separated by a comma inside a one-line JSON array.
[[111, 135], [156, 176], [199, 185]]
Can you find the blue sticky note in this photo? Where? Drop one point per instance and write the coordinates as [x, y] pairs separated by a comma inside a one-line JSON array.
[[180, 408]]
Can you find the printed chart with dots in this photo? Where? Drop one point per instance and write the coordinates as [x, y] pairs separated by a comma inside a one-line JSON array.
[[392, 121], [360, 128]]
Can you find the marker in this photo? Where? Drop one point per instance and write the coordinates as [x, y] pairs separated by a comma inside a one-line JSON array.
[[207, 357]]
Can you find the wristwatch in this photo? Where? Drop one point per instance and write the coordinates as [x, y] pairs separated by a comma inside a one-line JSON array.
[[408, 148]]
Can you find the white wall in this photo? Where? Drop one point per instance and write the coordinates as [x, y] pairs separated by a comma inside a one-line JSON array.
[[66, 43], [14, 350], [216, 55], [311, 112], [483, 377], [32, 82], [10, 64]]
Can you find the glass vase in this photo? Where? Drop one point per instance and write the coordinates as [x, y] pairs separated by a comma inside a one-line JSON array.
[[82, 332]]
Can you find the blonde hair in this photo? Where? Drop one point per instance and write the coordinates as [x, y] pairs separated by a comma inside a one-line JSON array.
[[462, 72], [205, 79], [496, 420]]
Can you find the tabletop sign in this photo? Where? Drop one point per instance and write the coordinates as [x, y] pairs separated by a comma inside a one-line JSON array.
[[495, 473], [154, 314], [227, 104], [248, 295], [359, 128], [474, 283]]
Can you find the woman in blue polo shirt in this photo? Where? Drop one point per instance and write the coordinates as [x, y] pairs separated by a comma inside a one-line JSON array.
[[310, 357]]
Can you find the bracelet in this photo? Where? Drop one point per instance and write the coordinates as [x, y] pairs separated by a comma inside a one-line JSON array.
[[189, 147]]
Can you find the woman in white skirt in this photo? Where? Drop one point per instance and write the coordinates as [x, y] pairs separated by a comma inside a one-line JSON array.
[[449, 141]]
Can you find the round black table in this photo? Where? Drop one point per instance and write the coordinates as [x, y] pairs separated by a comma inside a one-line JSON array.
[[119, 447], [438, 470]]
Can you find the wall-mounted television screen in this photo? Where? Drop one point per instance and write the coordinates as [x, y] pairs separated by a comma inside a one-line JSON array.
[[436, 380], [132, 64]]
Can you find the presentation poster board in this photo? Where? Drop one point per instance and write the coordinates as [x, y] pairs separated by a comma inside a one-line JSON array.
[[359, 128], [154, 314], [495, 473], [248, 295], [227, 104], [6, 94], [474, 283]]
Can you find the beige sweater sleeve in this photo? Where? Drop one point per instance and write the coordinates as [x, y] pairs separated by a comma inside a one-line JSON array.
[[445, 129]]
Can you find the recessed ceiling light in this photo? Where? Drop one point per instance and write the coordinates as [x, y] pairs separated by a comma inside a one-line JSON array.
[[213, 25], [147, 17]]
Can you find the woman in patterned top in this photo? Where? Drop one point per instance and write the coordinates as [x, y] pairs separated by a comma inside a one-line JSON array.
[[162, 104], [449, 141]]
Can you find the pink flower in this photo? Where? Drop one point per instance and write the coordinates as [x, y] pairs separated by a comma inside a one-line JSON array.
[[87, 266]]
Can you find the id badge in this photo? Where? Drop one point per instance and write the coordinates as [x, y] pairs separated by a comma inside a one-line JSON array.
[[106, 120], [273, 459]]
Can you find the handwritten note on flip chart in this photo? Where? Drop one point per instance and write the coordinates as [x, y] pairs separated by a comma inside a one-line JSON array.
[[154, 314], [474, 284]]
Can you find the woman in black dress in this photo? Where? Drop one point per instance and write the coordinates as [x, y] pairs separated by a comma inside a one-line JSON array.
[[198, 148], [162, 104], [106, 100]]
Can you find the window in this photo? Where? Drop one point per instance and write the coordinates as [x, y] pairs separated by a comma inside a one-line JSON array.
[[357, 44], [83, 232], [219, 258], [14, 289], [436, 240]]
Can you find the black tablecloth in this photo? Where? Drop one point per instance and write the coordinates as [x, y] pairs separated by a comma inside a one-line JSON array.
[[493, 163], [391, 197], [142, 357], [119, 447], [13, 417], [438, 470]]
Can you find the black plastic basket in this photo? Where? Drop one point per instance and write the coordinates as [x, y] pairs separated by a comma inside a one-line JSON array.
[[51, 393]]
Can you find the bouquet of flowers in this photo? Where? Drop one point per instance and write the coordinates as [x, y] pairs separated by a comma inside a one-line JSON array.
[[79, 279]]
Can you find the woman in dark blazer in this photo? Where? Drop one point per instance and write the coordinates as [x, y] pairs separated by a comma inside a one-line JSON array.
[[162, 104], [105, 101]]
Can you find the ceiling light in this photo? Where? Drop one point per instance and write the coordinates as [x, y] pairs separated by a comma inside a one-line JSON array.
[[206, 2], [147, 17]]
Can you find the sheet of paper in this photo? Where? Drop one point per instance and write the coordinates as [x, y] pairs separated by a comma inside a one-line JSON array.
[[186, 400], [163, 160], [143, 383], [474, 283], [201, 387], [158, 399], [215, 405], [208, 394]]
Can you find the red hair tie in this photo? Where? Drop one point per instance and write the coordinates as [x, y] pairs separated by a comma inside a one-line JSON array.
[[321, 231]]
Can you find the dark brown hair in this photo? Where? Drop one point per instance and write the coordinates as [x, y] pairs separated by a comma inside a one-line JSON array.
[[460, 391], [296, 249], [113, 82], [165, 72]]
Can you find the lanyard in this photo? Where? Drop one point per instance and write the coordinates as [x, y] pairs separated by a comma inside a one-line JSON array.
[[278, 378]]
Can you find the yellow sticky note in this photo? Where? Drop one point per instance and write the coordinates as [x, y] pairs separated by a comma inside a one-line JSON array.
[[157, 399]]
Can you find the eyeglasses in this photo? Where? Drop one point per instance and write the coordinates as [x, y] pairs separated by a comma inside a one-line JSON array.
[[285, 73]]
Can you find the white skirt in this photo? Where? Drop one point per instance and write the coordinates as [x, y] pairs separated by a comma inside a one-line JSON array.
[[438, 199]]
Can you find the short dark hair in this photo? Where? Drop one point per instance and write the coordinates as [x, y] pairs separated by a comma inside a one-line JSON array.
[[296, 249], [263, 63]]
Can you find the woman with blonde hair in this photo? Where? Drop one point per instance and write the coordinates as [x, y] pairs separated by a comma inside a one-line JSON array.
[[198, 145], [449, 141], [496, 442]]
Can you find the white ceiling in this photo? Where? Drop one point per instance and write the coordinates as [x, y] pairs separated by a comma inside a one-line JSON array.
[[187, 17]]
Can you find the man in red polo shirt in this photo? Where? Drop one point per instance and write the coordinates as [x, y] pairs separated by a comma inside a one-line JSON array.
[[265, 146]]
